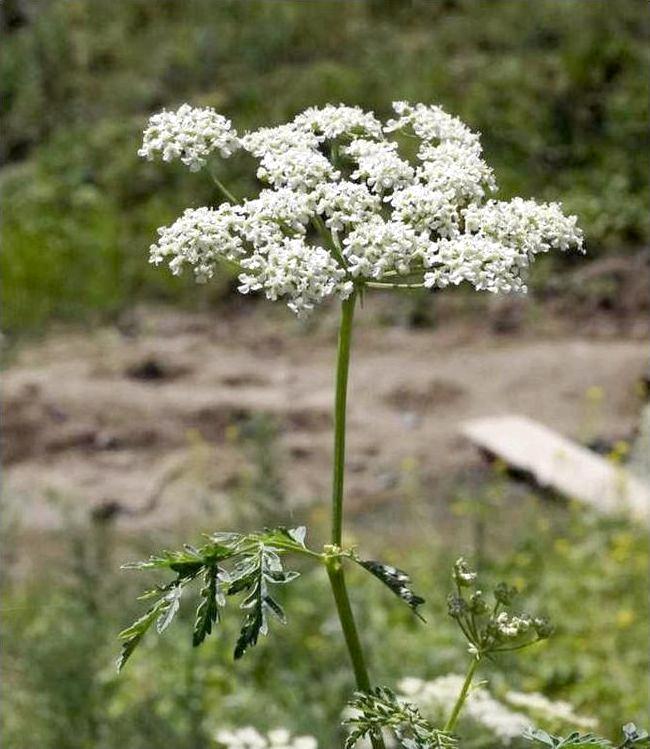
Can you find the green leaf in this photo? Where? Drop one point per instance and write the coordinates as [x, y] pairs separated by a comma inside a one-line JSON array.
[[298, 535], [252, 625], [173, 602], [253, 575], [272, 605], [207, 612], [541, 737], [285, 537], [396, 580], [255, 565], [574, 740], [186, 561], [380, 710], [133, 635]]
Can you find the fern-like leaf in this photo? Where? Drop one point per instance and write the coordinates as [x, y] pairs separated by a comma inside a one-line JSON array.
[[207, 612], [380, 710]]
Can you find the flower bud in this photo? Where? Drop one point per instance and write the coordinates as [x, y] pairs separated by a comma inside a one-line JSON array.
[[463, 575], [456, 606], [504, 593], [477, 603], [543, 627]]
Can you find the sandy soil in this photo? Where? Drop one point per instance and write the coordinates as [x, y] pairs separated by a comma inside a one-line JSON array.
[[143, 418]]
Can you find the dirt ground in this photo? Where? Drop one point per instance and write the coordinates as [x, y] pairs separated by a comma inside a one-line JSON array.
[[144, 417]]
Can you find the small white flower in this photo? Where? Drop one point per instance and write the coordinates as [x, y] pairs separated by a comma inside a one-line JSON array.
[[332, 122], [511, 626], [378, 164], [277, 140], [377, 246], [276, 211], [188, 134], [345, 204], [528, 226], [424, 207], [430, 123], [242, 738], [304, 274], [296, 168], [486, 264], [456, 169], [200, 238]]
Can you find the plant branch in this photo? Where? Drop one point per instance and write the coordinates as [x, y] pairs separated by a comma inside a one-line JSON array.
[[224, 190], [329, 239], [453, 718]]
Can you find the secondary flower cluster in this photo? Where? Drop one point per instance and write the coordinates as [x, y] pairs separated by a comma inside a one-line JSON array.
[[437, 697], [251, 738], [344, 206], [490, 627]]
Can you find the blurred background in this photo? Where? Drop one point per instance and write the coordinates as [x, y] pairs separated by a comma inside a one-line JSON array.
[[141, 410]]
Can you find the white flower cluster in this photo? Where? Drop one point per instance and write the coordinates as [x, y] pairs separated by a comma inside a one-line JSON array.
[[556, 711], [200, 238], [456, 170], [437, 698], [486, 264], [305, 274], [511, 626], [377, 246], [379, 165], [463, 574], [425, 209], [524, 225], [189, 134], [332, 122], [251, 738], [431, 124], [343, 206]]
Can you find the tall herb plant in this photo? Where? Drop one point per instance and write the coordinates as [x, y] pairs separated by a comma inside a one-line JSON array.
[[350, 204]]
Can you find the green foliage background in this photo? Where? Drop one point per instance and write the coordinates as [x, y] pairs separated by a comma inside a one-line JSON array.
[[558, 88], [62, 691]]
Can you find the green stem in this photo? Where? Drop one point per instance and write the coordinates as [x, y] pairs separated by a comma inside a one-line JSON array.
[[334, 566], [224, 190], [339, 588], [451, 723], [340, 409], [329, 240]]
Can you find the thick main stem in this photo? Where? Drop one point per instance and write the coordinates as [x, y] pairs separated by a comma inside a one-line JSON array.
[[350, 633], [340, 410], [453, 718], [334, 566]]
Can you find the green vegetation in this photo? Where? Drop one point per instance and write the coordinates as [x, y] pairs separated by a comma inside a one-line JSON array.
[[589, 575], [557, 87]]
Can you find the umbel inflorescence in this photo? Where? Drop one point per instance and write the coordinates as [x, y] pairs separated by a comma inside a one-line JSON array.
[[344, 207]]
